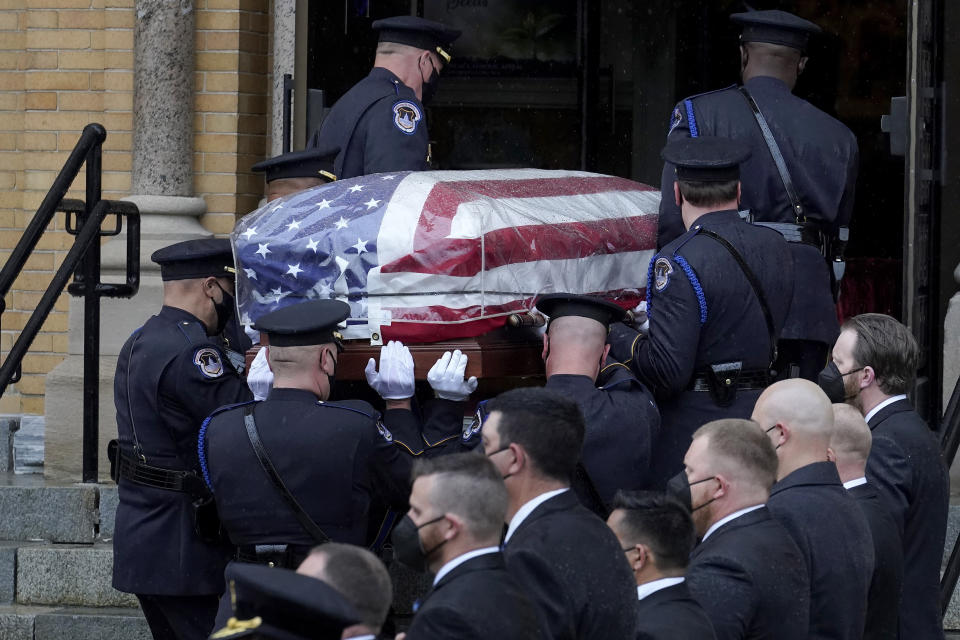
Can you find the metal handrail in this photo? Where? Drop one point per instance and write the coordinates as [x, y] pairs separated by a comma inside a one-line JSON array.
[[82, 262], [949, 443]]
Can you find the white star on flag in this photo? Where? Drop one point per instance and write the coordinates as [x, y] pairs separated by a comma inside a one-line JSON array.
[[249, 233], [251, 274], [323, 204], [312, 245], [263, 250], [279, 294], [245, 320], [323, 289], [356, 187], [388, 177], [371, 204], [293, 226], [294, 269], [361, 246], [341, 223]]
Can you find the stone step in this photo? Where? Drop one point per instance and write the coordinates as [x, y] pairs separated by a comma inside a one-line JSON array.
[[20, 622], [67, 575], [65, 514]]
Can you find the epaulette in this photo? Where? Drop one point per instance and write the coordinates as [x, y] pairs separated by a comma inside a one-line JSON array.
[[691, 117], [201, 438], [378, 421], [614, 383]]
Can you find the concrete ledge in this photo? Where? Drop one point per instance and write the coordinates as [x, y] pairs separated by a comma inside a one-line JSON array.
[[109, 498], [57, 514], [17, 622], [68, 576], [91, 624]]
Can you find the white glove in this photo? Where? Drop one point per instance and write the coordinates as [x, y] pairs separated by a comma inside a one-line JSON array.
[[640, 318], [446, 377], [260, 377], [395, 379]]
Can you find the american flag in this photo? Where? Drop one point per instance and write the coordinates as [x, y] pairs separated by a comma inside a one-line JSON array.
[[438, 255]]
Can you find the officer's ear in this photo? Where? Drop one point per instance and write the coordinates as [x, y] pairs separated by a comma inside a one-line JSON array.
[[744, 57], [739, 192], [677, 196], [546, 347], [209, 285], [802, 64]]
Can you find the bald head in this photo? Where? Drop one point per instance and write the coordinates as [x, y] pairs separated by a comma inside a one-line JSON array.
[[798, 417], [850, 442]]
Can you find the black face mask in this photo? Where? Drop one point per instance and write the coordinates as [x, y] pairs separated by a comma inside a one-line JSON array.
[[500, 450], [679, 487], [407, 545], [331, 377], [831, 381], [224, 310], [429, 87]]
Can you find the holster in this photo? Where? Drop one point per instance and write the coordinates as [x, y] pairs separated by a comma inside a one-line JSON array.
[[722, 378]]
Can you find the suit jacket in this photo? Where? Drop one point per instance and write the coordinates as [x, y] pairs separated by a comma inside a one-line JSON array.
[[833, 535], [908, 471], [572, 567], [751, 579], [671, 614], [477, 599], [883, 602]]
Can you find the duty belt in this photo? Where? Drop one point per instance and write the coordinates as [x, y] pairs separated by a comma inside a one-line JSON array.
[[287, 556], [125, 465], [746, 381], [803, 233]]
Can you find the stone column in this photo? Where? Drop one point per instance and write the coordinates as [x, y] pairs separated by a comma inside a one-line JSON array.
[[162, 188], [284, 55]]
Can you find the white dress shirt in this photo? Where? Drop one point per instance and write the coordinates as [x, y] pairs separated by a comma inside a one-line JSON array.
[[724, 520], [883, 404], [528, 508], [856, 482], [459, 560], [644, 590]]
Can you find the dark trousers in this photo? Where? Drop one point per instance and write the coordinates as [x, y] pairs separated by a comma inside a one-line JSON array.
[[179, 617], [801, 359]]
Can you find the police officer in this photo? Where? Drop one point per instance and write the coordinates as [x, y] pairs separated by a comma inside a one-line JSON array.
[[620, 414], [809, 199], [297, 170], [380, 124], [171, 373], [717, 299]]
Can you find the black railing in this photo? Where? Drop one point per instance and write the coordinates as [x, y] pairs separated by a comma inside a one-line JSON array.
[[83, 263], [949, 442]]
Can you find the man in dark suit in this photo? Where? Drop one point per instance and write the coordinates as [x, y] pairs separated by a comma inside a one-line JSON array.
[[457, 508], [747, 573], [811, 503], [874, 364], [849, 450], [820, 158], [656, 532], [563, 555], [171, 373], [360, 577], [619, 412]]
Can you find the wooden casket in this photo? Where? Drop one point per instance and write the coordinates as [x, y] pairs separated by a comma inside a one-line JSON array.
[[446, 260]]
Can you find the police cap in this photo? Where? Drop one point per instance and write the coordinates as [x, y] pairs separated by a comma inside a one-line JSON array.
[[310, 163], [558, 305], [281, 604], [706, 158], [776, 27], [305, 323], [195, 259], [419, 33]]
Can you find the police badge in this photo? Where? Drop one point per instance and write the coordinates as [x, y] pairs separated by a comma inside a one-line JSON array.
[[676, 120], [406, 115], [208, 362], [661, 273]]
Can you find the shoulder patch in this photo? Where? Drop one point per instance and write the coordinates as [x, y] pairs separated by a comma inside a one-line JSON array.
[[675, 119], [406, 116], [662, 270], [384, 432], [208, 361]]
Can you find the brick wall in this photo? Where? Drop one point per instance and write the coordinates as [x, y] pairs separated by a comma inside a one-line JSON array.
[[66, 63]]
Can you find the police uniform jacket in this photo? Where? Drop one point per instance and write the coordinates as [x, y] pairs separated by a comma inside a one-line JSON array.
[[621, 423], [751, 579], [704, 311], [822, 157], [169, 376], [333, 457], [672, 614], [833, 535], [476, 600], [570, 564], [379, 125], [908, 471], [883, 602]]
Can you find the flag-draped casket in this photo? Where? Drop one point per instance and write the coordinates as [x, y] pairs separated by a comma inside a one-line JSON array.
[[446, 255]]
